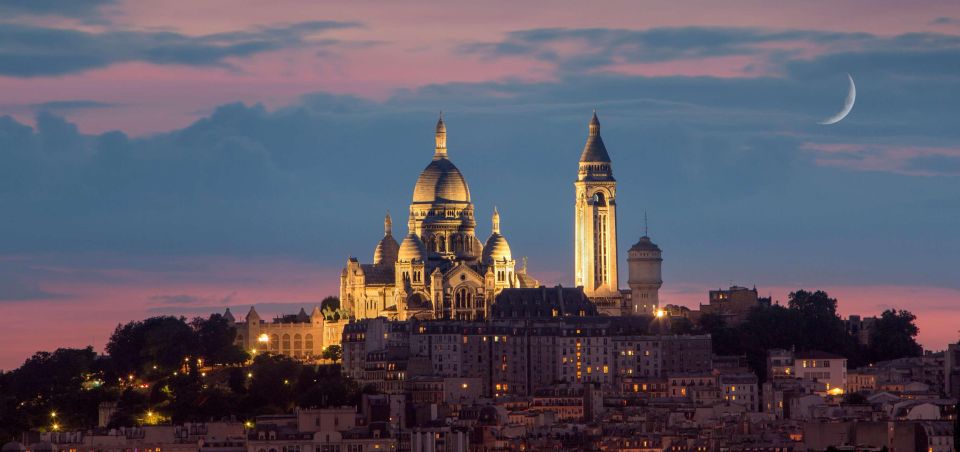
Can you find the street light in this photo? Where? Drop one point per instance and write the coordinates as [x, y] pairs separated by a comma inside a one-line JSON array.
[[263, 338]]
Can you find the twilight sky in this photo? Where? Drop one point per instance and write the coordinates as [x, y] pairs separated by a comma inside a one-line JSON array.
[[181, 157]]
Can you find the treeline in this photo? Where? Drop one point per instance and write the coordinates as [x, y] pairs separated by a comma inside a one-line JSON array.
[[162, 369], [809, 322]]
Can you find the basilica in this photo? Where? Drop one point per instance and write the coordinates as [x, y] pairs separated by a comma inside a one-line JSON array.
[[440, 269]]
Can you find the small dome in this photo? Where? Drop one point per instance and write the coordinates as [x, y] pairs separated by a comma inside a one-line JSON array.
[[412, 249], [496, 248], [441, 181], [645, 244], [387, 251], [387, 248]]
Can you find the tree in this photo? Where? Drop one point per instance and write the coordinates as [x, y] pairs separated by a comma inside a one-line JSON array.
[[237, 381], [272, 386], [822, 328], [894, 336], [216, 337], [333, 353], [157, 341], [325, 386], [330, 302], [330, 307], [813, 304], [53, 382], [681, 325]]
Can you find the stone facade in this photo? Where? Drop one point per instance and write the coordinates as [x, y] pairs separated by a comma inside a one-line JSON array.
[[440, 270], [300, 336]]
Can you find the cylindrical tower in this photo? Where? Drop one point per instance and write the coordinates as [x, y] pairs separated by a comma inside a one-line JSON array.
[[645, 278]]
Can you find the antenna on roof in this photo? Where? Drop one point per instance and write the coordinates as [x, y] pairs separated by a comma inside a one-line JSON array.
[[646, 226]]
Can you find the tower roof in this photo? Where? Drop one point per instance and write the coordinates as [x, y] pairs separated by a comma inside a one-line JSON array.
[[645, 244], [440, 150], [594, 151]]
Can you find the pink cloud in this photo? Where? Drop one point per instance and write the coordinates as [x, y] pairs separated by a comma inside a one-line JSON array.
[[110, 294], [417, 43], [879, 157]]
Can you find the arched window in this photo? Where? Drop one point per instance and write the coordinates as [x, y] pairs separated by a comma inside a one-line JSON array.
[[599, 199], [308, 343], [274, 343], [240, 340], [285, 345], [441, 244], [297, 345], [463, 298]]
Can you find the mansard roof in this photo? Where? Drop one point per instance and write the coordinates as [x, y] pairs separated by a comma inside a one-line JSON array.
[[542, 302]]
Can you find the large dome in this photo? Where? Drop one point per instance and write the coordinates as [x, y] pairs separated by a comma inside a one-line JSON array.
[[441, 181]]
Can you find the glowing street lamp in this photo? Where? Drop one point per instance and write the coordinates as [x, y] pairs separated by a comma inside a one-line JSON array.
[[263, 338], [661, 313]]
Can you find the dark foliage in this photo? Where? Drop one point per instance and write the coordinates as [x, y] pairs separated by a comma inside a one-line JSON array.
[[330, 302], [65, 382], [810, 322], [153, 368], [216, 337], [158, 341], [333, 353], [894, 336]]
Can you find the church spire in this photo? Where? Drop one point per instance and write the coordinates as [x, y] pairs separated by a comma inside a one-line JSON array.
[[441, 139], [594, 124], [594, 151], [387, 225], [496, 221]]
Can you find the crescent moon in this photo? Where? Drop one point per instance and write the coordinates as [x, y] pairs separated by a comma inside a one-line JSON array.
[[847, 105]]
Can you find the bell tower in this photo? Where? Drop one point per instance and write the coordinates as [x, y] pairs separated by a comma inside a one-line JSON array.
[[595, 253]]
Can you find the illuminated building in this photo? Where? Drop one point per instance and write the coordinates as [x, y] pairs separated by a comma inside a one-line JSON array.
[[299, 335], [595, 252], [440, 270]]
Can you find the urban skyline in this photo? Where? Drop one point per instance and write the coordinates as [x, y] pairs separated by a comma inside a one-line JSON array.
[[425, 226], [712, 116]]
